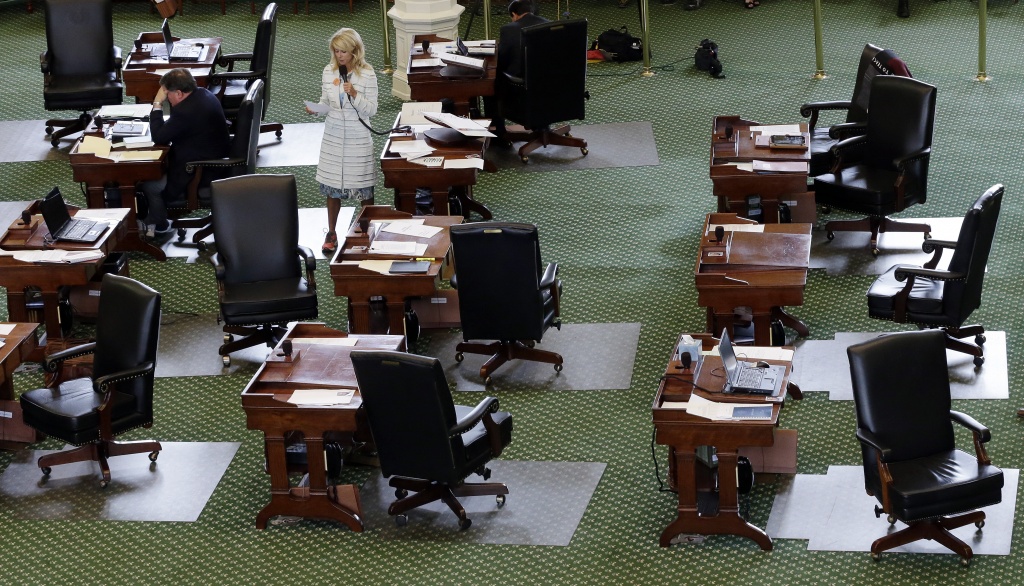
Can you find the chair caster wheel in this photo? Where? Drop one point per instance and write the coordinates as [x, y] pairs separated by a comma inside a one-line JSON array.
[[154, 455], [46, 470], [980, 524], [525, 159], [979, 361], [49, 130], [830, 235], [891, 519], [927, 235], [226, 361], [500, 499], [181, 234], [401, 520], [874, 252], [401, 493], [228, 338], [965, 562], [104, 483], [464, 524], [558, 368], [585, 151], [278, 134], [55, 142], [980, 339], [459, 357], [876, 556], [487, 381]]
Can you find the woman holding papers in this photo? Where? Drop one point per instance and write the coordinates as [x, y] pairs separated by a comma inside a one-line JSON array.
[[347, 168]]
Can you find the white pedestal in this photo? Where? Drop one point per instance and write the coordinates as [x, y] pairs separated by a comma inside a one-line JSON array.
[[419, 17]]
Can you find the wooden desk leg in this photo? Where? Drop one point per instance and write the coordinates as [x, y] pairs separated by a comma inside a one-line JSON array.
[[440, 202], [396, 317], [794, 391], [359, 316], [729, 521], [762, 329], [279, 486], [406, 201], [687, 518], [133, 240], [790, 321], [51, 315]]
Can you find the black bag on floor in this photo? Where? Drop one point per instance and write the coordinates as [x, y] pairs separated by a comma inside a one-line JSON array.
[[622, 45], [706, 58]]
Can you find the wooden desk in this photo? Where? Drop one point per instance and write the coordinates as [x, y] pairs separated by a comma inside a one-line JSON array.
[[264, 399], [19, 346], [427, 85], [359, 285], [141, 72], [50, 278], [732, 186], [99, 174], [405, 176], [702, 509], [765, 271]]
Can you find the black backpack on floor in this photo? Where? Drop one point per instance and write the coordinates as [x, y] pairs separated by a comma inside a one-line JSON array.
[[624, 46], [706, 58]]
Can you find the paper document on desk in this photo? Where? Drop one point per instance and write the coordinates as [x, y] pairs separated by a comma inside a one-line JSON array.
[[411, 228], [434, 62], [6, 329], [716, 411], [465, 126], [394, 247], [134, 155], [321, 397], [400, 147], [327, 341], [108, 214], [736, 228], [382, 267], [124, 111], [428, 161], [56, 256], [469, 163], [766, 353], [779, 166], [459, 60], [775, 129], [94, 145], [412, 112]]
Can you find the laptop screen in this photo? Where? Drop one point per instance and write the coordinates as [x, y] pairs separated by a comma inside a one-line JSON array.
[[55, 211], [729, 361], [168, 39]]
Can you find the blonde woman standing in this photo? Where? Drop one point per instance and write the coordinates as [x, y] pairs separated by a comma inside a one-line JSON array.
[[346, 168]]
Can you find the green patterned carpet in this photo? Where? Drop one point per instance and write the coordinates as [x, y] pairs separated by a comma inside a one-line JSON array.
[[625, 239]]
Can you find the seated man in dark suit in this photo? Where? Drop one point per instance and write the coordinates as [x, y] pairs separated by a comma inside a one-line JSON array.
[[196, 131], [510, 56]]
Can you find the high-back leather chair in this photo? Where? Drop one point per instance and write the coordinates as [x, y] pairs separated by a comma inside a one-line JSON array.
[[886, 170], [240, 160], [944, 299], [231, 86], [874, 61], [81, 66], [426, 443], [553, 86], [118, 397], [505, 293], [905, 427], [260, 283]]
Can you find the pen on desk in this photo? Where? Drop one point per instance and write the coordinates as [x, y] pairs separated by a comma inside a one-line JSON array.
[[426, 258], [737, 280]]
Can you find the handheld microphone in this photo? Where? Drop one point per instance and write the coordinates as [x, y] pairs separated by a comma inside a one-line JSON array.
[[343, 72]]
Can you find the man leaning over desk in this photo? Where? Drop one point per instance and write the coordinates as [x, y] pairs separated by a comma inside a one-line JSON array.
[[510, 57], [196, 131]]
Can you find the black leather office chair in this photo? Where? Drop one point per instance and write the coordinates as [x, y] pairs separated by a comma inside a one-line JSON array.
[[232, 86], [426, 443], [118, 397], [553, 86], [929, 297], [505, 294], [260, 284], [911, 464], [240, 160], [886, 170], [81, 66], [874, 61]]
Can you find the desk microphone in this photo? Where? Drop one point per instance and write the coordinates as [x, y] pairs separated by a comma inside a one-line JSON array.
[[719, 233], [685, 360]]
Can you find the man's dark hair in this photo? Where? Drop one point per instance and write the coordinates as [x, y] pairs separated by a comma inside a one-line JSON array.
[[179, 79], [520, 7]]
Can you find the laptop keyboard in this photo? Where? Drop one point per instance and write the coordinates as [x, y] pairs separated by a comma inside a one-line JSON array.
[[749, 378], [185, 51], [77, 229]]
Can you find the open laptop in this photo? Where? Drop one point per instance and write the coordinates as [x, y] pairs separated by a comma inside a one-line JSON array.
[[745, 377], [181, 51], [62, 226]]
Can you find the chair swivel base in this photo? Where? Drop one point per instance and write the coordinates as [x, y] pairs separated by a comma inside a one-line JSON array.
[[874, 225], [427, 491], [276, 127], [99, 452], [67, 127], [955, 343], [542, 138], [937, 529], [504, 351], [268, 334]]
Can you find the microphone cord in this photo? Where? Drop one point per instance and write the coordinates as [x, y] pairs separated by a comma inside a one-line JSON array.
[[343, 73]]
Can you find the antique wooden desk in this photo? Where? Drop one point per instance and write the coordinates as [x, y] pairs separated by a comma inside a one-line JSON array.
[[141, 72], [100, 174], [405, 177], [19, 346], [732, 185], [426, 84], [315, 363], [707, 507], [764, 270], [360, 285], [17, 275]]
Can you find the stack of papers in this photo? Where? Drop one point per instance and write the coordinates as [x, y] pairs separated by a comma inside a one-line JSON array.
[[464, 125], [410, 149], [53, 255], [411, 228], [398, 248], [126, 111], [322, 397], [412, 112], [716, 411]]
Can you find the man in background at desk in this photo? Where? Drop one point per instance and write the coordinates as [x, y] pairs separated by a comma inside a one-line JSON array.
[[196, 131], [510, 59]]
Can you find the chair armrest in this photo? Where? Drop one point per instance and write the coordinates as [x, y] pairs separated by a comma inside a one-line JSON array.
[[118, 61], [53, 361], [485, 406], [847, 130], [229, 59], [229, 75], [814, 108], [901, 162], [550, 275], [936, 246], [866, 437], [218, 267], [517, 81], [191, 166], [44, 62], [981, 434], [103, 382], [454, 281], [903, 273], [846, 152], [310, 261]]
